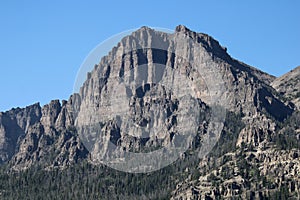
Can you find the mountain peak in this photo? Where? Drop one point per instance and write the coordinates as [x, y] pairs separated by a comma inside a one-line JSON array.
[[182, 28], [144, 28]]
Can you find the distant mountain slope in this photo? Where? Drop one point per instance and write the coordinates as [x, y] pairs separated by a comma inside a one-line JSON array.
[[289, 86]]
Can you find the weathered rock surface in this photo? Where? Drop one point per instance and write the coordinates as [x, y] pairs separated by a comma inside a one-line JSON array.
[[39, 135], [223, 80]]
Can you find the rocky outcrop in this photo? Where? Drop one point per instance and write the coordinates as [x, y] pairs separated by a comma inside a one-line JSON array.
[[39, 136], [247, 175], [14, 125]]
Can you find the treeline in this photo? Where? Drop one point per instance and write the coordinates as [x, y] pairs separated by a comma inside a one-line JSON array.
[[85, 181]]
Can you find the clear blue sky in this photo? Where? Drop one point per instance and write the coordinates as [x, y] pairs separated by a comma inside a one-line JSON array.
[[43, 43]]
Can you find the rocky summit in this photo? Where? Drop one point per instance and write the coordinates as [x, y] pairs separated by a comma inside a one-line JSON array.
[[162, 116]]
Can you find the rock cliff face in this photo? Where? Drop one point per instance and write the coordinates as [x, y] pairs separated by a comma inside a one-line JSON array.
[[154, 79], [209, 73], [14, 126], [39, 135]]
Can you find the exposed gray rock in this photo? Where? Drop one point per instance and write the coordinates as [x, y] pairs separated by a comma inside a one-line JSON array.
[[201, 60], [14, 124], [40, 136]]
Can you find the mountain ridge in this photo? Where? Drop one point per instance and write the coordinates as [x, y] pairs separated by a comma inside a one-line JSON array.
[[28, 135]]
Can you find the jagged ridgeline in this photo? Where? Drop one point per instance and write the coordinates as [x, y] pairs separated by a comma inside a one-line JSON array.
[[192, 85]]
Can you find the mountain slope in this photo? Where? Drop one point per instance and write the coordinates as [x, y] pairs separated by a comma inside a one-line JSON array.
[[181, 82], [288, 85]]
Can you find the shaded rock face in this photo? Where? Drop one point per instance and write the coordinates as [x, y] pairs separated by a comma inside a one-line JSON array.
[[145, 82], [288, 85], [13, 126], [39, 135]]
